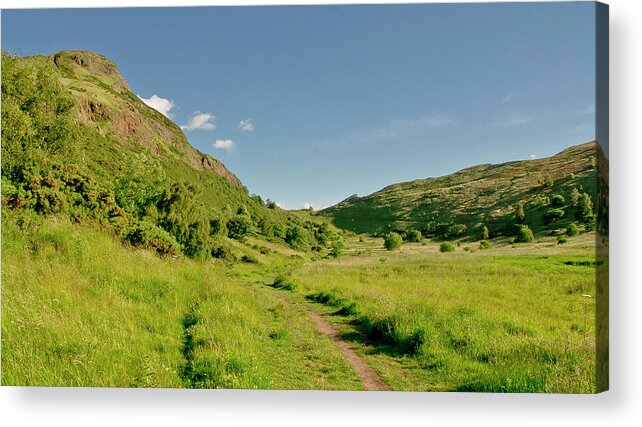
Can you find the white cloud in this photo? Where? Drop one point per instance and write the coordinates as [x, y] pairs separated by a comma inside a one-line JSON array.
[[202, 121], [162, 105], [532, 156], [246, 125], [507, 98], [224, 144]]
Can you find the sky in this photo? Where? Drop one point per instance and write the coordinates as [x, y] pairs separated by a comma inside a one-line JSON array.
[[308, 105]]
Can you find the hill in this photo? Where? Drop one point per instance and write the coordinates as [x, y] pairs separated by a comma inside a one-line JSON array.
[[484, 195], [77, 142]]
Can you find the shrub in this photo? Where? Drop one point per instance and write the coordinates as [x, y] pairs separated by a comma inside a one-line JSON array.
[[558, 200], [414, 236], [484, 244], [392, 241], [282, 282], [147, 235], [485, 233], [223, 252], [524, 235], [456, 230], [296, 237], [575, 196], [572, 230], [249, 259], [446, 247], [548, 182], [239, 227], [561, 240], [519, 213], [585, 208], [337, 249], [553, 215]]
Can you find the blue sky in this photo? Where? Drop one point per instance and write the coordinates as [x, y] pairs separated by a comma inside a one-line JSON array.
[[310, 104]]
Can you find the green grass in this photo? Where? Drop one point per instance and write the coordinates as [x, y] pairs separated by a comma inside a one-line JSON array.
[[483, 194], [79, 309], [483, 321]]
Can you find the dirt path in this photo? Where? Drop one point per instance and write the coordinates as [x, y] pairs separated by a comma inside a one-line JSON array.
[[370, 379]]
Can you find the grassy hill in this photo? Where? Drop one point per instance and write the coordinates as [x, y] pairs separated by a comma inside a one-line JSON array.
[[77, 142], [484, 195]]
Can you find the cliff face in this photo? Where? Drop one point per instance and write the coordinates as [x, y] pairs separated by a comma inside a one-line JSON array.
[[106, 103]]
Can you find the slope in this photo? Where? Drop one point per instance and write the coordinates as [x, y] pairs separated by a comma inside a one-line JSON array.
[[481, 195]]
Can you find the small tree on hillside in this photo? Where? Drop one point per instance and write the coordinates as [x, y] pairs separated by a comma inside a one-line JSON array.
[[558, 200], [485, 233], [519, 213], [575, 196], [585, 208], [524, 234], [392, 241]]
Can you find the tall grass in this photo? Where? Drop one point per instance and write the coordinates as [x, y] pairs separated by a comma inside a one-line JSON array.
[[470, 322], [80, 309]]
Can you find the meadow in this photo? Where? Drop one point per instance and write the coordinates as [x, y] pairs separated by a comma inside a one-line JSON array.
[[80, 308], [513, 318]]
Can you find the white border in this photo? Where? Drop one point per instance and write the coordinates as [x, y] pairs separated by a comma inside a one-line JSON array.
[[620, 406]]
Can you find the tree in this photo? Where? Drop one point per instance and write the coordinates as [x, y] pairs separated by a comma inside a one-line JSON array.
[[456, 230], [296, 237], [519, 213], [585, 208], [239, 227], [558, 200], [392, 241], [553, 215], [548, 182], [485, 233], [524, 234], [183, 216], [575, 196], [414, 236]]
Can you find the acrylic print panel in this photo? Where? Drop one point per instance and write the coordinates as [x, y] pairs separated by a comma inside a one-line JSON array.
[[356, 197]]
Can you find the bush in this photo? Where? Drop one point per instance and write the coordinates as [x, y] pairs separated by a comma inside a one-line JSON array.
[[392, 241], [414, 236], [484, 244], [296, 237], [585, 208], [337, 249], [223, 252], [524, 235], [553, 215], [249, 259], [446, 247], [519, 213], [573, 230], [239, 227], [147, 235], [282, 282], [558, 200], [485, 233], [561, 240], [456, 230]]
